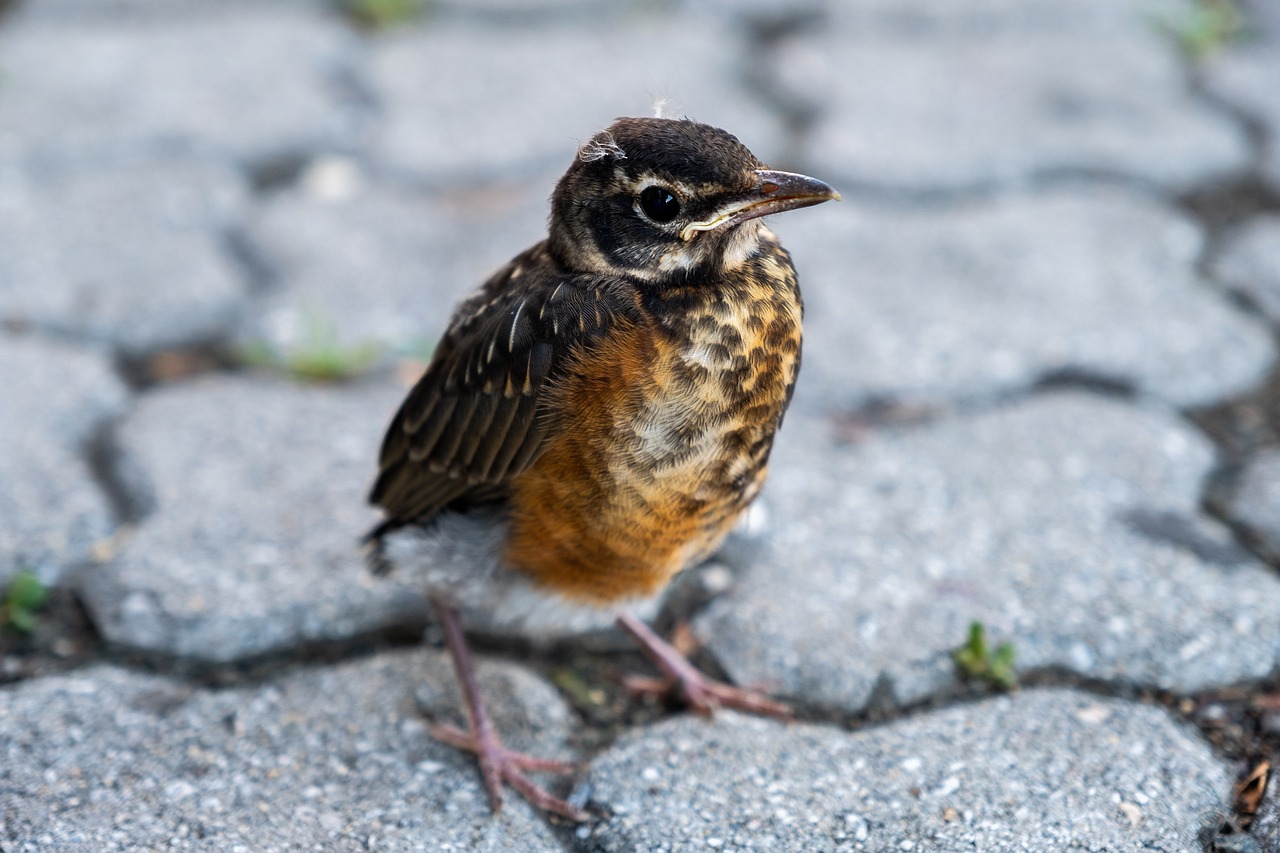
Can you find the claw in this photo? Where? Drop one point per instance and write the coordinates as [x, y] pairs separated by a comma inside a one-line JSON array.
[[498, 765], [703, 694]]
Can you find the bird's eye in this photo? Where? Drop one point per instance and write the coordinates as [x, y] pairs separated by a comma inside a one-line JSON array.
[[659, 204]]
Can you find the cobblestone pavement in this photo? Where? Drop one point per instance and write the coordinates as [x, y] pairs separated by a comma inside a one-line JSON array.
[[1039, 394]]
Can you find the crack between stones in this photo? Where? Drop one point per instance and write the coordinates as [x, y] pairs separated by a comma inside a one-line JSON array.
[[103, 457], [764, 35], [1211, 207]]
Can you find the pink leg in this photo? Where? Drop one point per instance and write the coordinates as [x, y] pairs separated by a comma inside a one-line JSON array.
[[703, 694], [498, 764]]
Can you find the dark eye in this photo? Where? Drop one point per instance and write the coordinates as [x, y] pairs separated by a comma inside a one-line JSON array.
[[659, 204]]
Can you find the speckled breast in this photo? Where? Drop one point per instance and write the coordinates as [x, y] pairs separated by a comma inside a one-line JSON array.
[[667, 439]]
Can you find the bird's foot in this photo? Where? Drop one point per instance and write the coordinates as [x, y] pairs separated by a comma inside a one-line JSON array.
[[703, 693], [499, 766]]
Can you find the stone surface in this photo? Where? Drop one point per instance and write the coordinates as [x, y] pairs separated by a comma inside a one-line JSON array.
[[256, 496], [332, 758], [1068, 524], [53, 402], [1244, 75], [1249, 263], [540, 92], [1042, 770], [133, 256], [982, 297], [1266, 827], [180, 172], [1255, 504], [1013, 102], [249, 83], [382, 267], [1082, 18]]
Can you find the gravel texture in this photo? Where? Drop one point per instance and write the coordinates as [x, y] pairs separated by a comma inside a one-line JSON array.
[[381, 268], [1068, 524], [249, 83], [187, 184], [54, 404], [1249, 264], [133, 256], [972, 299], [1244, 77], [255, 491], [489, 119], [1255, 503], [1043, 770], [1014, 98], [325, 758]]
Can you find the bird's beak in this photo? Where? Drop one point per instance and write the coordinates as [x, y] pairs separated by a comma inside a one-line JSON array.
[[774, 192]]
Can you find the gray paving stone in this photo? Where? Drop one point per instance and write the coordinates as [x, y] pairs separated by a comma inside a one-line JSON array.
[[1068, 524], [1249, 263], [1255, 505], [132, 255], [1042, 770], [541, 91], [975, 298], [383, 266], [329, 758], [1244, 75], [256, 491], [1266, 826], [980, 17], [250, 83], [1015, 95], [53, 401], [1262, 18], [76, 11]]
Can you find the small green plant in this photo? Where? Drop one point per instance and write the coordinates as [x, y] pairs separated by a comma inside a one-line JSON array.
[[317, 355], [580, 693], [25, 596], [1207, 27], [978, 662], [383, 14]]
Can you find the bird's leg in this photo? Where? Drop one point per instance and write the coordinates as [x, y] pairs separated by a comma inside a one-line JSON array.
[[703, 694], [497, 763]]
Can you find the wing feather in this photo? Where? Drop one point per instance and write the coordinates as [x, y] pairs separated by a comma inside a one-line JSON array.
[[481, 413]]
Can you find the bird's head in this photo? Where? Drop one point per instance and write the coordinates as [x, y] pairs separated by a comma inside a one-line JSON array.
[[667, 201]]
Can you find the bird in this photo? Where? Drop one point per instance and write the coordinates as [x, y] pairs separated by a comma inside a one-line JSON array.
[[599, 414]]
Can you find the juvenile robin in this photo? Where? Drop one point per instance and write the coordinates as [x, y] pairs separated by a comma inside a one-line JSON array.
[[600, 412]]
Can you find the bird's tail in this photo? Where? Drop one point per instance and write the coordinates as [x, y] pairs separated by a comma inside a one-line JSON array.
[[375, 549]]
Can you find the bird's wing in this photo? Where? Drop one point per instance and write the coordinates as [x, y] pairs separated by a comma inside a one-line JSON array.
[[480, 414]]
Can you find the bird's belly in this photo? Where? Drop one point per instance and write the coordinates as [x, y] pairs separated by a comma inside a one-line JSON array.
[[666, 449]]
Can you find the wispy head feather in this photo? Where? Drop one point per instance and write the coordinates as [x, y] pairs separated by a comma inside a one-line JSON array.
[[600, 146]]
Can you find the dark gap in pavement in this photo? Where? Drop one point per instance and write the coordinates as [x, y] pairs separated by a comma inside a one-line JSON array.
[[853, 424], [765, 32], [253, 265], [1240, 427], [258, 669], [938, 199], [1220, 207], [1084, 379], [278, 171], [64, 640], [125, 499], [856, 424], [1183, 532], [174, 364]]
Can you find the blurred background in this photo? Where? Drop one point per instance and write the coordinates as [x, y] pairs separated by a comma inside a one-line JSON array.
[[231, 232], [250, 178], [1039, 389]]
